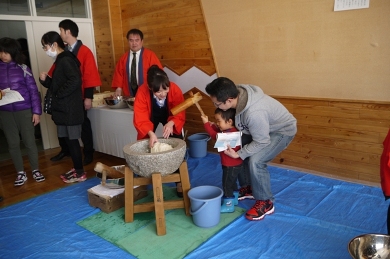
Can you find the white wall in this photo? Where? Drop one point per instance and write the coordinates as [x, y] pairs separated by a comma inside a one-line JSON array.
[[191, 78]]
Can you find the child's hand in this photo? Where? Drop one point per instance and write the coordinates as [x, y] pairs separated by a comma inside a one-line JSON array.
[[205, 119]]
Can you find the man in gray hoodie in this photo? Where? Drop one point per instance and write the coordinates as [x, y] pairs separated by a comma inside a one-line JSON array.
[[267, 129]]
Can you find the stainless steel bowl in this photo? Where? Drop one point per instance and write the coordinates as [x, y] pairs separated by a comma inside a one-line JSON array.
[[370, 246], [130, 102], [116, 102]]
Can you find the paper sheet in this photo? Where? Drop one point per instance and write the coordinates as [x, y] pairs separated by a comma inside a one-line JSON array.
[[102, 190], [343, 5], [232, 139], [10, 96]]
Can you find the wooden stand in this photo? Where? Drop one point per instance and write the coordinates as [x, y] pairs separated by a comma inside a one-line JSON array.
[[159, 205]]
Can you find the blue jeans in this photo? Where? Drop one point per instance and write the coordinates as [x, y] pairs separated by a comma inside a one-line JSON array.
[[256, 172]]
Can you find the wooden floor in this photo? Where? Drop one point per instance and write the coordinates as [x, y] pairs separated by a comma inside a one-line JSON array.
[[51, 170]]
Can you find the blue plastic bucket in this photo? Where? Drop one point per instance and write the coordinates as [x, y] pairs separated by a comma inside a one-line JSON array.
[[198, 144], [205, 205]]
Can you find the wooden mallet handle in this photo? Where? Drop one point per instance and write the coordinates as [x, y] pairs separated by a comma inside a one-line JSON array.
[[195, 98], [197, 105], [109, 171]]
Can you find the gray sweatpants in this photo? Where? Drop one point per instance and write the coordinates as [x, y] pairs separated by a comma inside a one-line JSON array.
[[14, 123]]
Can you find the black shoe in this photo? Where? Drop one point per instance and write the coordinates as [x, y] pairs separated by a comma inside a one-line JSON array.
[[58, 157], [1, 198], [88, 160], [179, 190], [179, 194]]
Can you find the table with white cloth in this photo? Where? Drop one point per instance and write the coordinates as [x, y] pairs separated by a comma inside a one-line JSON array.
[[112, 129]]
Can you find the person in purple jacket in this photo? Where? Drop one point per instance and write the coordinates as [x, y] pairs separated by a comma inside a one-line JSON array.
[[19, 118]]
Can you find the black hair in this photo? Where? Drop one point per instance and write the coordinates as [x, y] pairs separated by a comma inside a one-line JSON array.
[[157, 78], [136, 32], [24, 48], [50, 37], [229, 114], [12, 47], [68, 24], [222, 89], [23, 43]]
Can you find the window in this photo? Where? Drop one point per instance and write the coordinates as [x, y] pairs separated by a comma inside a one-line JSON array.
[[53, 8], [61, 8], [14, 7]]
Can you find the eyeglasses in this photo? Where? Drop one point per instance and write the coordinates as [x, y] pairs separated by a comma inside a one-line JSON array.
[[218, 104]]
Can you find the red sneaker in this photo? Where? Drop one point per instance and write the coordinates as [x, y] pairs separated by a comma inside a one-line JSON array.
[[245, 193], [260, 209], [75, 178]]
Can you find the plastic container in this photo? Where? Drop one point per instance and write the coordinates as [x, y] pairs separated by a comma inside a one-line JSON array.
[[205, 205], [198, 144]]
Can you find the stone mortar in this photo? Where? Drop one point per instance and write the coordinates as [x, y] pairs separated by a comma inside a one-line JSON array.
[[144, 163]]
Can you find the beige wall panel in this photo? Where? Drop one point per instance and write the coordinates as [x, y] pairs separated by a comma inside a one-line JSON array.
[[302, 48]]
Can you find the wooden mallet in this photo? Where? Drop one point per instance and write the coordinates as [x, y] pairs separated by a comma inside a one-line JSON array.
[[194, 99], [107, 171]]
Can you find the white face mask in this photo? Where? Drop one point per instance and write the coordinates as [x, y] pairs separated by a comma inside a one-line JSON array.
[[51, 53]]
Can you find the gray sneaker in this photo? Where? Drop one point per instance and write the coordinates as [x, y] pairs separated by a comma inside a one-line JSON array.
[[20, 179]]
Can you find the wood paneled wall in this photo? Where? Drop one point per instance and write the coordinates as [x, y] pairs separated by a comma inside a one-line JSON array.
[[174, 30], [104, 43], [339, 138], [342, 138]]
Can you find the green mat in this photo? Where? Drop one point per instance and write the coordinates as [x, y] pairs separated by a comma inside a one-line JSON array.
[[139, 237]]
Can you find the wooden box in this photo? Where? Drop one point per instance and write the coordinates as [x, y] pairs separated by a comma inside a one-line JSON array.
[[109, 204], [98, 98]]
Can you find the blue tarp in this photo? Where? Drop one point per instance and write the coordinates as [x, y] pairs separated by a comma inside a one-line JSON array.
[[315, 217]]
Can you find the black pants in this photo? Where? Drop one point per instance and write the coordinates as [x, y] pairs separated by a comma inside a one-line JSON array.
[[86, 137], [388, 220], [75, 152], [229, 178]]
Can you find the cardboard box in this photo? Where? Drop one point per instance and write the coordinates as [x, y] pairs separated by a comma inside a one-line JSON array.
[[109, 204], [98, 98]]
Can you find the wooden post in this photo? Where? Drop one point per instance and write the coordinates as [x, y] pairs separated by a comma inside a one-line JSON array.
[[159, 204], [129, 195], [185, 183]]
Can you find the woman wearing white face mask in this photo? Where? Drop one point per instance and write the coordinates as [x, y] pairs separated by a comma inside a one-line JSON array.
[[64, 81]]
